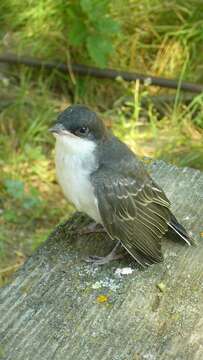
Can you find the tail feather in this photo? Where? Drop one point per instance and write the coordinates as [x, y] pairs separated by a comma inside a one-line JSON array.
[[179, 230]]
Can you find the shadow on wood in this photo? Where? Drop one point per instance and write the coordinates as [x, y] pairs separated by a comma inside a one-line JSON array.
[[59, 307]]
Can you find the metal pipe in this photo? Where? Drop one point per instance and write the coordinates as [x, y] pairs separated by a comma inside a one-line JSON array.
[[85, 70]]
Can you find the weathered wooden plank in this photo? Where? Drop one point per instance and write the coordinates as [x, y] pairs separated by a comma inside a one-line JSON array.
[[53, 309]]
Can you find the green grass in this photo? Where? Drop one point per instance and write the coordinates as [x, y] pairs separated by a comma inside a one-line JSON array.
[[156, 37]]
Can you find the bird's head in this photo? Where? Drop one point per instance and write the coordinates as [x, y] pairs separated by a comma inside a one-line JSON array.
[[77, 125]]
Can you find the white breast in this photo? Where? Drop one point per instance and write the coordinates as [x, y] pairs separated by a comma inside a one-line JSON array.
[[75, 161]]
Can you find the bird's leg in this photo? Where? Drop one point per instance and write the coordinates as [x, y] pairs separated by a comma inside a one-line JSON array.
[[101, 260], [92, 228]]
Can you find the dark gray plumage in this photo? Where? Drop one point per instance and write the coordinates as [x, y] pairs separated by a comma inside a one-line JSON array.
[[132, 207]]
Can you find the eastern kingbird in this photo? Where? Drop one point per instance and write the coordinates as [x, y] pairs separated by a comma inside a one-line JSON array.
[[102, 177]]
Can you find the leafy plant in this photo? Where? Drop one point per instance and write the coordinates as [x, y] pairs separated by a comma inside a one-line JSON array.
[[92, 26], [25, 200], [15, 188]]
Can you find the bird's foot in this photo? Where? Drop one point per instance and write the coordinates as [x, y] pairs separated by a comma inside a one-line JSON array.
[[92, 228], [101, 260]]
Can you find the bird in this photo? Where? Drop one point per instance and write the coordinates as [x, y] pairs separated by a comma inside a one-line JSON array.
[[105, 179]]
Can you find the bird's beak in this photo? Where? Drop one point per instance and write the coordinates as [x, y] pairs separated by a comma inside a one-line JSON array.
[[58, 129]]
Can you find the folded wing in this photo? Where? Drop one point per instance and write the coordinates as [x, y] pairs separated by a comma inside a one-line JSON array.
[[136, 213]]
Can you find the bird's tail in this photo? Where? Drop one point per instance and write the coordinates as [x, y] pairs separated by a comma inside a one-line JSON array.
[[178, 231]]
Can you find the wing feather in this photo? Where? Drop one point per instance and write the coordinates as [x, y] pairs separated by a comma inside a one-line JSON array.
[[135, 213]]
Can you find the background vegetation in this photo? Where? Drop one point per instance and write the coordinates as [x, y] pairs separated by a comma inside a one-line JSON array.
[[150, 36]]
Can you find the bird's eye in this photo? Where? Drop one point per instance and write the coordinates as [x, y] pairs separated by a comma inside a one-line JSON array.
[[83, 130]]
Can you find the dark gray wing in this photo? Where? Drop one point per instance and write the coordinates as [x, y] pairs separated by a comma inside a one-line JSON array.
[[134, 212]]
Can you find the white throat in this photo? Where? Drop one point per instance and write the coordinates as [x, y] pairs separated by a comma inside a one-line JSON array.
[[75, 161]]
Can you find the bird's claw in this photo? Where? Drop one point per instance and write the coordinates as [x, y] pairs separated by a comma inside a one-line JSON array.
[[101, 260], [97, 260]]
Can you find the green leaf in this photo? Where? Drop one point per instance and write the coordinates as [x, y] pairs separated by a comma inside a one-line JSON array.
[[14, 188], [86, 5], [10, 215], [34, 192], [94, 9], [99, 49], [77, 33], [30, 202], [107, 25]]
